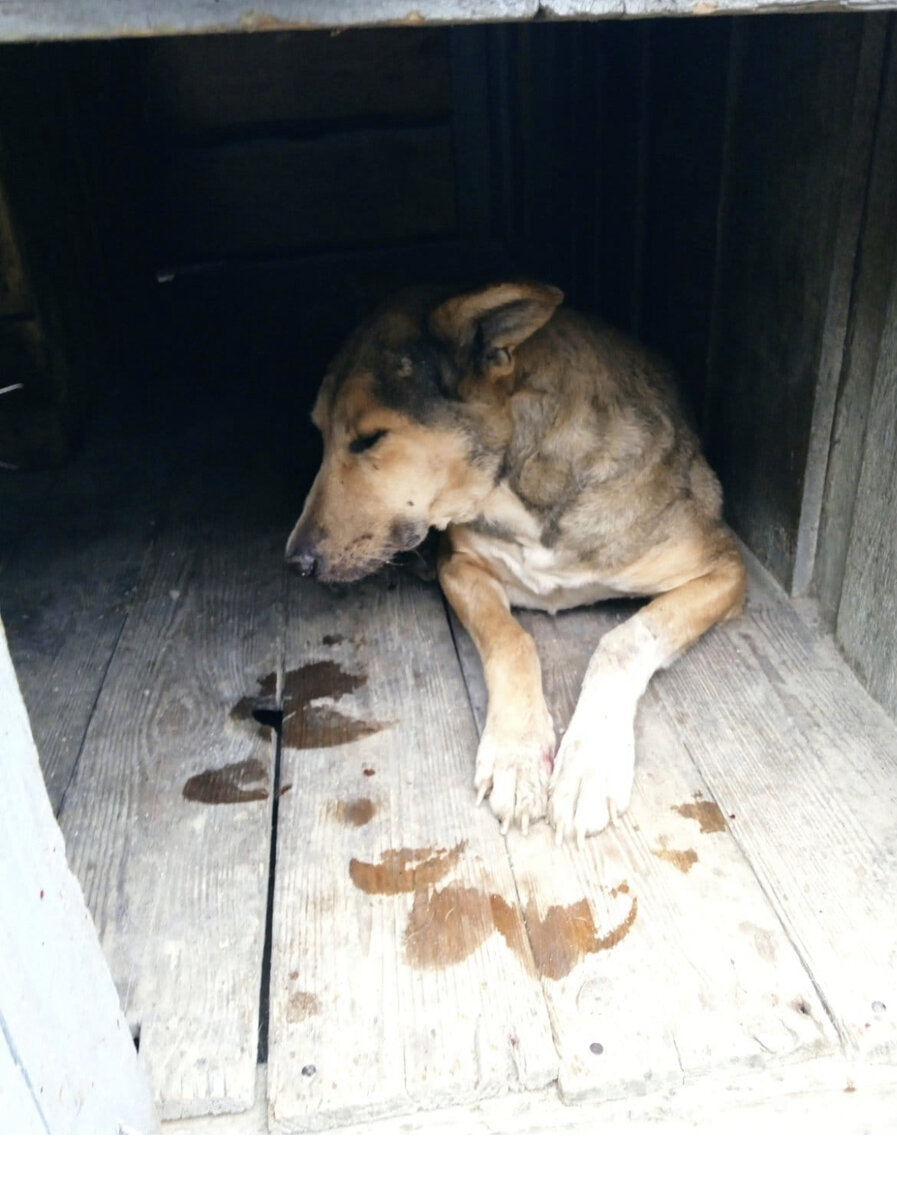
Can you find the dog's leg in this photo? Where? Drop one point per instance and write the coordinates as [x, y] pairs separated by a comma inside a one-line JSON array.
[[592, 779], [516, 750]]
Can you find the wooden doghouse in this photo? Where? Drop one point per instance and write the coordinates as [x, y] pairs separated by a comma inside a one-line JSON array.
[[246, 881]]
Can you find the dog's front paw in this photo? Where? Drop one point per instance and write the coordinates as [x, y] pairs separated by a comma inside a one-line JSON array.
[[591, 783], [513, 770]]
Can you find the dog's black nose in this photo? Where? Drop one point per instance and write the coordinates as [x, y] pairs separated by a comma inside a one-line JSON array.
[[301, 552], [303, 561]]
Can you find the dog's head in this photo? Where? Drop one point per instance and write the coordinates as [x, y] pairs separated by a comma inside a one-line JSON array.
[[411, 414]]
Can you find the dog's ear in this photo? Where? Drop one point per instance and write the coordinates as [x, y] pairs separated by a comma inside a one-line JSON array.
[[492, 322]]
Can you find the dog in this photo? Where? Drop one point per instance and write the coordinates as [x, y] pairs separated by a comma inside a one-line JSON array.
[[553, 454]]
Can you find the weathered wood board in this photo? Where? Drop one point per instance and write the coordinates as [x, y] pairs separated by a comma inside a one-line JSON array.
[[200, 87], [803, 1098], [661, 958], [75, 557], [67, 1063], [833, 339], [401, 978], [785, 237], [869, 310], [803, 764], [867, 616], [278, 194], [93, 18], [167, 820]]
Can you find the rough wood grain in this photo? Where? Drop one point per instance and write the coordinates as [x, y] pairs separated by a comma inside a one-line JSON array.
[[275, 195], [807, 1098], [869, 305], [788, 141], [803, 764], [167, 821], [867, 615], [201, 87], [853, 180], [61, 1026], [400, 978], [662, 961], [77, 541], [93, 18]]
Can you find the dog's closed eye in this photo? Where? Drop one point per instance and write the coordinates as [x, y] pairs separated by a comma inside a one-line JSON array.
[[366, 441]]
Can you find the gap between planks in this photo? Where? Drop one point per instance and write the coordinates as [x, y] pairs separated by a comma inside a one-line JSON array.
[[401, 978]]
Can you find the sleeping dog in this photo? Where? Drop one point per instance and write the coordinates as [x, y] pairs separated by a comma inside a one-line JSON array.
[[552, 453]]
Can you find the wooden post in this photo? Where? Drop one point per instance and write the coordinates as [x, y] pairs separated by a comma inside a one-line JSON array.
[[67, 1062]]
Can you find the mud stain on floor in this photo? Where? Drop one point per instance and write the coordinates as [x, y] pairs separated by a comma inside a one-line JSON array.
[[300, 1006], [683, 860], [323, 727], [706, 813], [308, 720], [445, 927], [356, 812], [308, 724], [404, 870], [244, 710], [567, 933], [233, 784], [508, 920]]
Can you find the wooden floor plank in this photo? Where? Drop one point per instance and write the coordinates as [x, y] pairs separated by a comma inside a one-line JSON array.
[[401, 979], [167, 821], [72, 546], [808, 1098], [803, 761], [662, 961]]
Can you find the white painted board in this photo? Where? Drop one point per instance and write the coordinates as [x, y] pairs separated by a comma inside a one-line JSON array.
[[60, 1016]]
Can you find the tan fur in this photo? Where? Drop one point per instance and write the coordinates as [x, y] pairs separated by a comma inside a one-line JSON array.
[[553, 454]]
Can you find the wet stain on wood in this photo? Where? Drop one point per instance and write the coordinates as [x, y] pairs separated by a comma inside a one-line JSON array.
[[245, 710], [233, 784], [508, 920], [356, 812], [446, 926], [309, 721], [321, 680], [762, 938], [323, 727], [567, 933], [310, 725], [706, 813], [683, 860], [301, 1005], [404, 870]]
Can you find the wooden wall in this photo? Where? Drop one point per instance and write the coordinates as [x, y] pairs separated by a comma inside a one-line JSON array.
[[856, 563], [271, 145], [47, 326]]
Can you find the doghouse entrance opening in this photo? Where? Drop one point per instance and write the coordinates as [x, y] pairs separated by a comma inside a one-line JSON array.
[[266, 788]]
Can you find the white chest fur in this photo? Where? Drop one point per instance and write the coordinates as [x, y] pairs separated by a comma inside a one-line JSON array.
[[536, 576]]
